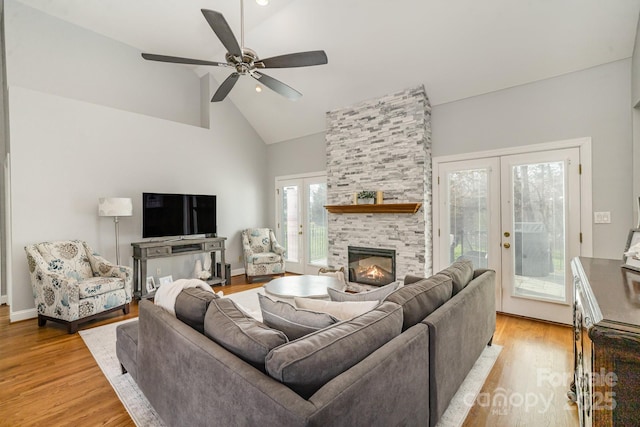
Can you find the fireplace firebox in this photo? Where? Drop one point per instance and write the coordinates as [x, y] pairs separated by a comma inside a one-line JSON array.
[[372, 266]]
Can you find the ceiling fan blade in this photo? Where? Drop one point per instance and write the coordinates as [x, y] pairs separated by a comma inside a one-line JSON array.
[[178, 60], [277, 86], [219, 26], [300, 59], [225, 88]]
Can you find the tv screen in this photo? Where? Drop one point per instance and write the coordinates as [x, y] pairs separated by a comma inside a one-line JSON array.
[[165, 215]]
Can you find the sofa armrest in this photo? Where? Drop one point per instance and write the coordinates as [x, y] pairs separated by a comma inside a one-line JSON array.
[[362, 395], [60, 284], [459, 330], [191, 380]]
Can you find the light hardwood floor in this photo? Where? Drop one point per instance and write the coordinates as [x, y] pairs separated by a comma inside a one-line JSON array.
[[49, 378]]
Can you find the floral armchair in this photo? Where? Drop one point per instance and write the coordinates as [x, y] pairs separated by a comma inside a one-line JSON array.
[[263, 256], [72, 284]]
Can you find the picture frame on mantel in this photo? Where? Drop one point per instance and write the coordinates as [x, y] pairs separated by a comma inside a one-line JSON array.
[[631, 257]]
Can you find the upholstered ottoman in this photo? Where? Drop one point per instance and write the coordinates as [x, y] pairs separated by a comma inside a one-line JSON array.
[[127, 348]]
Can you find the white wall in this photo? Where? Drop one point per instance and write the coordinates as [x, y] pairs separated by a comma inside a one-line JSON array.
[[635, 101], [593, 103], [67, 151], [296, 156], [51, 55]]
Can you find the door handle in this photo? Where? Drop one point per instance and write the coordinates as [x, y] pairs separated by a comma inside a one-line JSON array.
[[507, 245]]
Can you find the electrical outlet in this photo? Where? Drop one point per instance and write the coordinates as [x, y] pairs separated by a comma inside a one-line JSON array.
[[158, 271], [602, 217]]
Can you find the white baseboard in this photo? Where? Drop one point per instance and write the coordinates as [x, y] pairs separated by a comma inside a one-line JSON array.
[[237, 272], [16, 316], [4, 299]]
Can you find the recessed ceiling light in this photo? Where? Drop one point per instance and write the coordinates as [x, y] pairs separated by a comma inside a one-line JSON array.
[[262, 2], [258, 88]]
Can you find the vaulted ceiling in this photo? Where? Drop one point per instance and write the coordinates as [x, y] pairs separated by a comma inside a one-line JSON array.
[[455, 48]]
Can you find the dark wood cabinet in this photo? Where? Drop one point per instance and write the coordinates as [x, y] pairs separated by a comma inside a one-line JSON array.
[[606, 328]]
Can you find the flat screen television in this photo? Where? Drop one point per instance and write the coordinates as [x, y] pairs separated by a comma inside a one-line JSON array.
[[168, 215]]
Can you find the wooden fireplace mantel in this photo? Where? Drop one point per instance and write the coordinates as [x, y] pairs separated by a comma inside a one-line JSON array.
[[408, 208]]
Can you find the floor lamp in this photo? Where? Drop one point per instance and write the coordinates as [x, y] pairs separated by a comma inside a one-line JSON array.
[[115, 207]]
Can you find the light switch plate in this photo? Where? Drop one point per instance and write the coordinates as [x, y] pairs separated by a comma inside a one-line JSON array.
[[602, 217]]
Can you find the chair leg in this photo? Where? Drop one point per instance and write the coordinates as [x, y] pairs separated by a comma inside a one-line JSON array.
[[249, 279], [41, 320], [72, 327], [126, 309]]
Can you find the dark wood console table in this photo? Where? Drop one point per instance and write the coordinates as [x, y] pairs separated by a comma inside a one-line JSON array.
[[606, 328], [143, 251]]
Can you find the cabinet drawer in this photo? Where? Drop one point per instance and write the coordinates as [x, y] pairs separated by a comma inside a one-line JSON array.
[[158, 251], [212, 245]]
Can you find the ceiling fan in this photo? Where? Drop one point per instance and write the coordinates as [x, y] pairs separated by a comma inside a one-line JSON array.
[[244, 60]]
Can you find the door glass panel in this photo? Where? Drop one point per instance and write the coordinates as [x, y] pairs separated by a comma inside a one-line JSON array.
[[539, 230], [468, 216], [290, 222], [317, 224]]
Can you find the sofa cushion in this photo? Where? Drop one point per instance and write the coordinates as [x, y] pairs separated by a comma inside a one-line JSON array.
[[308, 363], [340, 310], [373, 295], [127, 347], [99, 285], [461, 273], [239, 333], [266, 258], [420, 299], [293, 322], [191, 307]]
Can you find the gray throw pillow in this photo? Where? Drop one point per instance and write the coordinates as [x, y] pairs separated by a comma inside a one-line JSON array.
[[306, 364], [422, 298], [191, 306], [373, 295], [239, 333], [294, 322], [461, 273]]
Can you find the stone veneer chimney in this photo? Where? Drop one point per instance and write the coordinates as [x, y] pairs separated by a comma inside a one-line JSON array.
[[382, 144]]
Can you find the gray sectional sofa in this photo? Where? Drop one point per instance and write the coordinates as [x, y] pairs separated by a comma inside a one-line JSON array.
[[399, 364]]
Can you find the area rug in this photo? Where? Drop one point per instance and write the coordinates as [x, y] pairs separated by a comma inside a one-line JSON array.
[[101, 341]]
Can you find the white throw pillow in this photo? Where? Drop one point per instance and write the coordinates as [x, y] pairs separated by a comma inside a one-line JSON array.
[[378, 294], [340, 310]]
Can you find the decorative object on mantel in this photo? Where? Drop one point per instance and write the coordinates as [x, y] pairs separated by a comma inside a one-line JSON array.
[[366, 197], [398, 208], [631, 257], [379, 197], [115, 207]]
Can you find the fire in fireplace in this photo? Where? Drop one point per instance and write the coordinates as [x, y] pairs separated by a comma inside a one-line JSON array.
[[372, 266]]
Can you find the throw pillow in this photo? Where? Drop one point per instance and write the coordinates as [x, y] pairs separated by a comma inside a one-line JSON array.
[[239, 333], [308, 363], [461, 273], [422, 298], [340, 310], [191, 307], [373, 295], [294, 323]]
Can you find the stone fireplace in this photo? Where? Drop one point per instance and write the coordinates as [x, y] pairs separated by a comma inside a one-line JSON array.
[[384, 145], [371, 266]]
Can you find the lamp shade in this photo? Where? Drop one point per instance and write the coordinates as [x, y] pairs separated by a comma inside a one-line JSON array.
[[115, 206]]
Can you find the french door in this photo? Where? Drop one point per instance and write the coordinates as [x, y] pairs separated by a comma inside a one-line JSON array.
[[519, 215], [301, 222]]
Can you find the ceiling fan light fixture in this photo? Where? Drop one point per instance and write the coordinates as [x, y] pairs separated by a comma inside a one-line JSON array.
[[262, 2]]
